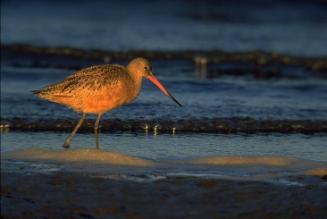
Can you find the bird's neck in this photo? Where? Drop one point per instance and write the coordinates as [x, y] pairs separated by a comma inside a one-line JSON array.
[[137, 82]]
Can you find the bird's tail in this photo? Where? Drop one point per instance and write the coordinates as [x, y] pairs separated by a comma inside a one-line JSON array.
[[37, 92], [41, 93], [57, 98]]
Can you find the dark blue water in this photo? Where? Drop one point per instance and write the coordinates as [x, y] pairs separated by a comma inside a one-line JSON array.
[[281, 26], [224, 97]]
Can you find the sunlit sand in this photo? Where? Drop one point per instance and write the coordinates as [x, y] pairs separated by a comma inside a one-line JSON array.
[[77, 155], [317, 172], [246, 160], [117, 158]]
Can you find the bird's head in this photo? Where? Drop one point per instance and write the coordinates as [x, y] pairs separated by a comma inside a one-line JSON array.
[[142, 67]]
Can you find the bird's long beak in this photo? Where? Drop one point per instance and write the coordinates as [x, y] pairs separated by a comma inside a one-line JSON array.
[[154, 80]]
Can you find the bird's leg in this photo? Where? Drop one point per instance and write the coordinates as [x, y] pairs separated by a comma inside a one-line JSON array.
[[96, 131], [70, 137]]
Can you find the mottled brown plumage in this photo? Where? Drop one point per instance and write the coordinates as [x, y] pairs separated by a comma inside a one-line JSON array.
[[101, 88], [95, 89]]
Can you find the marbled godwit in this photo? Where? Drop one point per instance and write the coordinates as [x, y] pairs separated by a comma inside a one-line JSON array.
[[101, 88]]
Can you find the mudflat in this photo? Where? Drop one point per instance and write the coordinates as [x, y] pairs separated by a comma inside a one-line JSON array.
[[81, 195]]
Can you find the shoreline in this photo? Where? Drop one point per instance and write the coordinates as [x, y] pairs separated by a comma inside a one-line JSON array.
[[192, 125]]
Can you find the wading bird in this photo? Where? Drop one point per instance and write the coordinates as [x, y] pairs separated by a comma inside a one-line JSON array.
[[99, 89]]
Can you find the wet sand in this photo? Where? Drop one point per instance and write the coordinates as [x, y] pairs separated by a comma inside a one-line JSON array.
[[124, 186], [77, 195]]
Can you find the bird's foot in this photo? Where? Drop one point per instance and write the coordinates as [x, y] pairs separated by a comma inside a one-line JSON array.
[[66, 145]]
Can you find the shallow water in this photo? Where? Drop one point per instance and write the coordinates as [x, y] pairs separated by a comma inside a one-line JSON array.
[[179, 146], [147, 158], [223, 97]]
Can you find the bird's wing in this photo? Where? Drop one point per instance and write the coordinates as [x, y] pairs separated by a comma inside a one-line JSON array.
[[93, 77]]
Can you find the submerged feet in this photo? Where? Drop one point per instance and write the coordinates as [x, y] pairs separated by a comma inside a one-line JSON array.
[[66, 145]]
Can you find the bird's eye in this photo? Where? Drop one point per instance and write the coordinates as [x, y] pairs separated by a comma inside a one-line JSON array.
[[146, 68]]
